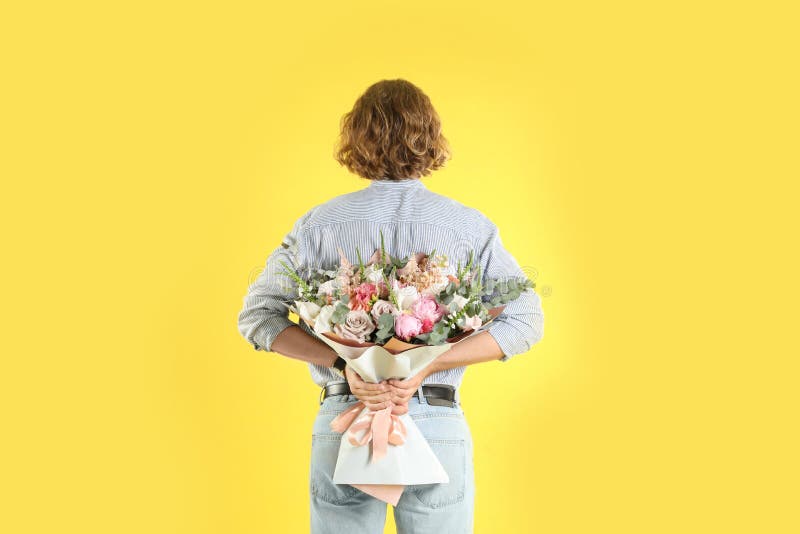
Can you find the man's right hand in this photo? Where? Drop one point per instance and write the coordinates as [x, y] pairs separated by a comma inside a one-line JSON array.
[[374, 396]]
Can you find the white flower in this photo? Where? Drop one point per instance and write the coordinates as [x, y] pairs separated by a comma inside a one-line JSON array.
[[373, 273], [457, 303], [328, 288], [406, 296], [467, 323], [323, 322], [307, 311], [435, 289]]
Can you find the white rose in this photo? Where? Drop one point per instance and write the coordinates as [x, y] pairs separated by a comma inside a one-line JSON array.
[[323, 322], [373, 273], [406, 297]]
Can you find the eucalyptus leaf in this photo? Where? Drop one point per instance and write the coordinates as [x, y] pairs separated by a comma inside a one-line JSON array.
[[382, 334], [339, 314], [386, 321]]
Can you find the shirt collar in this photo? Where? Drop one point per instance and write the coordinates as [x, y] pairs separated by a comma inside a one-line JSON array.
[[396, 184]]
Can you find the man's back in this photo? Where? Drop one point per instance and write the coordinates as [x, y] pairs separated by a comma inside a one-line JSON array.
[[412, 219], [410, 216]]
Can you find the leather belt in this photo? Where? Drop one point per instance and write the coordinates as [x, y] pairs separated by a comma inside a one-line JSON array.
[[435, 394]]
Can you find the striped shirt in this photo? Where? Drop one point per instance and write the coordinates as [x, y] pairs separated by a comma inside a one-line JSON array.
[[413, 219]]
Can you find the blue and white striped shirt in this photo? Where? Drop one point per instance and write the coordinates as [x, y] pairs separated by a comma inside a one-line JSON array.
[[412, 219]]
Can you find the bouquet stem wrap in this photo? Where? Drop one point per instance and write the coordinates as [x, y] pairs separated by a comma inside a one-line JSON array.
[[401, 455]]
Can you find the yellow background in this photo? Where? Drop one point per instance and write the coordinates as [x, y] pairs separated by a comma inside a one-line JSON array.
[[639, 158]]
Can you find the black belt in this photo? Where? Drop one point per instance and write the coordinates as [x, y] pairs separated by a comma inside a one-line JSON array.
[[435, 394]]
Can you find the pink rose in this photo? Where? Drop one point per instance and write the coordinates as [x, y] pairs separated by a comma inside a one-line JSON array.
[[427, 307], [406, 326]]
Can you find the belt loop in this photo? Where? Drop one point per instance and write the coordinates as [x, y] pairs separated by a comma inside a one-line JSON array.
[[422, 399]]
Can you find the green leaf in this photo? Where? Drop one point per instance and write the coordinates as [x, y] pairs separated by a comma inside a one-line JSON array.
[[339, 314], [386, 321], [382, 335]]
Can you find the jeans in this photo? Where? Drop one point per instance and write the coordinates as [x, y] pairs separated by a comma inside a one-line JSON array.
[[444, 508]]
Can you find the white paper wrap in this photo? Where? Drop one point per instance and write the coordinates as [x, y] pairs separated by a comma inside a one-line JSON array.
[[413, 461]]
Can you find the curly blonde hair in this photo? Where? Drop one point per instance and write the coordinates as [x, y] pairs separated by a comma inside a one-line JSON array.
[[392, 133]]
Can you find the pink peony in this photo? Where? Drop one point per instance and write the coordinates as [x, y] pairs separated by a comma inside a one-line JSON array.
[[427, 307], [427, 326], [406, 326]]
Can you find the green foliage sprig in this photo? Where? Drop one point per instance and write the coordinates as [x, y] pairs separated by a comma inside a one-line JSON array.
[[360, 264], [306, 292]]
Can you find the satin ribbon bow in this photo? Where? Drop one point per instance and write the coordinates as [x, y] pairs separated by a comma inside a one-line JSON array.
[[380, 426]]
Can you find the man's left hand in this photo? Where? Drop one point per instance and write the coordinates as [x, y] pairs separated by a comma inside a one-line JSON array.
[[405, 389]]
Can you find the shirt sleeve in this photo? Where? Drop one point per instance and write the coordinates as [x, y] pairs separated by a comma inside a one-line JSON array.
[[521, 323], [265, 312]]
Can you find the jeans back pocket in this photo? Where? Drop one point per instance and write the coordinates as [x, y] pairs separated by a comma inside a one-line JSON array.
[[324, 453], [452, 454]]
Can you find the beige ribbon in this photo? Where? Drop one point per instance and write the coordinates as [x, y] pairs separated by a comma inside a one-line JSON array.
[[382, 427]]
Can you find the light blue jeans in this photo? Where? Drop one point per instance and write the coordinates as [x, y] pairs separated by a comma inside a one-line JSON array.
[[445, 508]]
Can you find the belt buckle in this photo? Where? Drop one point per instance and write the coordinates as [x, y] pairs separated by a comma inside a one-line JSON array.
[[437, 401]]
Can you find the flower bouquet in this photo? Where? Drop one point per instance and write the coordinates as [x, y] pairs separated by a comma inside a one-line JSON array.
[[389, 318]]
